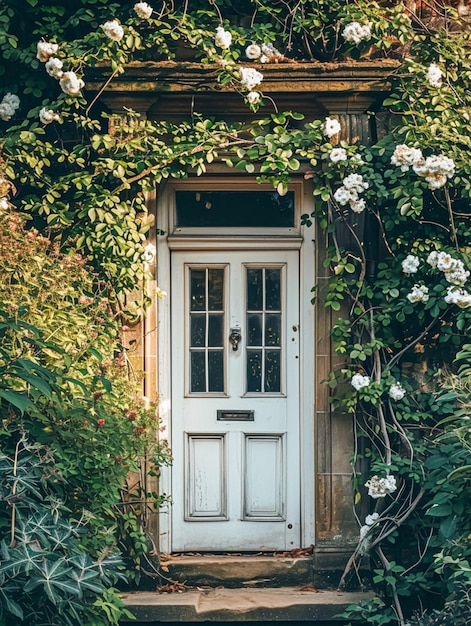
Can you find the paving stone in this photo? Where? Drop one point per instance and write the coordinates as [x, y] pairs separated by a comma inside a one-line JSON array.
[[241, 605]]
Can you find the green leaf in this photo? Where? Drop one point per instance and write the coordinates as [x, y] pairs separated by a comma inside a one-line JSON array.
[[11, 606], [465, 469], [20, 400], [440, 510]]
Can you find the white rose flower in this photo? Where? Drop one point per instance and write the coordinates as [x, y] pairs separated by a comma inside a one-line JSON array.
[[71, 84], [150, 252], [12, 100], [405, 157], [8, 106], [445, 261], [253, 51], [397, 391], [355, 182], [3, 204], [418, 293], [338, 154], [270, 52], [47, 116], [458, 296], [6, 111], [410, 265], [358, 206], [434, 76], [331, 127], [250, 77], [432, 258], [435, 169], [359, 380], [356, 32], [46, 50], [458, 276], [371, 519], [343, 196], [253, 97], [54, 67], [380, 487], [113, 30], [223, 38], [143, 10], [436, 181]]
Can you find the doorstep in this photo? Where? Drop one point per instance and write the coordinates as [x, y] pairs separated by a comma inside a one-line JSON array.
[[280, 604], [238, 570]]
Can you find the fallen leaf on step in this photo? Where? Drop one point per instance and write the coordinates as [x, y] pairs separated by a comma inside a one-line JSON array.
[[173, 586]]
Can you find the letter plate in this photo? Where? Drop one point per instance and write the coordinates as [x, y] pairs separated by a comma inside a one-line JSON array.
[[236, 416]]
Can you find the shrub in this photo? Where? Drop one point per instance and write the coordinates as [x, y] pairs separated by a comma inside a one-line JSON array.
[[73, 428]]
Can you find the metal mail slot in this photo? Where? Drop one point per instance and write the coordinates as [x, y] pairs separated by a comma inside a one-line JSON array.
[[236, 416]]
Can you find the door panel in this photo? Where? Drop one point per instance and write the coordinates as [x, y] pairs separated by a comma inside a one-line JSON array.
[[206, 477], [263, 486], [235, 400]]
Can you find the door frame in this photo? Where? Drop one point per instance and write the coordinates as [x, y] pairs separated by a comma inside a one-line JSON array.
[[301, 238]]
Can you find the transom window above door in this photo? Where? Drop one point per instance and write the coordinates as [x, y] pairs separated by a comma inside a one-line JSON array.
[[234, 209]]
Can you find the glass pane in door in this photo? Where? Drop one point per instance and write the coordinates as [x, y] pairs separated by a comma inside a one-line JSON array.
[[206, 326], [263, 322]]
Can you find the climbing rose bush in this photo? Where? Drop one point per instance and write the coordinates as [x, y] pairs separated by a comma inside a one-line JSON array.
[[395, 213]]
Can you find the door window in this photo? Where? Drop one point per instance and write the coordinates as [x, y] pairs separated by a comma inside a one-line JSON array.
[[263, 305], [207, 317]]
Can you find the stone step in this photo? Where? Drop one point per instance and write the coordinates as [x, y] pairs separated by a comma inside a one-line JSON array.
[[239, 571], [285, 604]]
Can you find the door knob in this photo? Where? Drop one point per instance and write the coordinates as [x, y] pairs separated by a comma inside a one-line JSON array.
[[234, 337]]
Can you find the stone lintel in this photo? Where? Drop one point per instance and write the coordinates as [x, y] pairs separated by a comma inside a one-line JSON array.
[[303, 77]]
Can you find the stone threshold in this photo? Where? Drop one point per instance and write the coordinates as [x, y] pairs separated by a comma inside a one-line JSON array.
[[280, 604], [238, 570]]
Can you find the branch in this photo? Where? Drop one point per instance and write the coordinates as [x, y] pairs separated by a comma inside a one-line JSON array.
[[381, 416], [397, 602], [454, 236], [173, 158], [397, 356], [400, 521]]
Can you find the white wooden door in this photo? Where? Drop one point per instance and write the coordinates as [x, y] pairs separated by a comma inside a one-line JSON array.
[[235, 400]]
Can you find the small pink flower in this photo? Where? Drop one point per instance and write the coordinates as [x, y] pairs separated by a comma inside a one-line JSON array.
[[100, 422]]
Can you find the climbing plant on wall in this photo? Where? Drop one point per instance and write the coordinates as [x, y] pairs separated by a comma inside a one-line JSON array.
[[402, 308]]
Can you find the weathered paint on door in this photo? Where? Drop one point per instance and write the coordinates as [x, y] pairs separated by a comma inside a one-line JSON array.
[[235, 400]]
